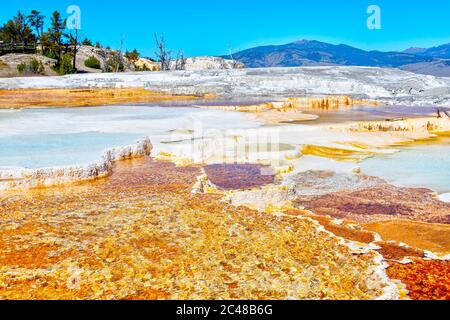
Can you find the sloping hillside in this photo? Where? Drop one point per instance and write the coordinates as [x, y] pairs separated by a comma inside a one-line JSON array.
[[313, 53], [433, 61]]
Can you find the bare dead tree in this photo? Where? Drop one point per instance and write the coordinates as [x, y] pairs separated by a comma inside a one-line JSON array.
[[180, 62], [104, 57], [234, 63], [74, 38], [118, 57], [163, 55]]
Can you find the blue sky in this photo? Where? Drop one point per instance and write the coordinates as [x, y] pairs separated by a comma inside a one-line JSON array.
[[209, 27]]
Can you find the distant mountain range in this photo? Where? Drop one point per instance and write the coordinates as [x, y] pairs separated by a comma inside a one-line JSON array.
[[315, 53], [441, 52]]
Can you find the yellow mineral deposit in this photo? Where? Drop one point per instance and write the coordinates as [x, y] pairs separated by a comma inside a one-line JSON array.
[[143, 234], [292, 109], [433, 237], [146, 65], [35, 98], [325, 103], [417, 125], [339, 154]]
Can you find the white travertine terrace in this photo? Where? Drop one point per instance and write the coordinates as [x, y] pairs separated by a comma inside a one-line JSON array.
[[26, 178], [386, 85]]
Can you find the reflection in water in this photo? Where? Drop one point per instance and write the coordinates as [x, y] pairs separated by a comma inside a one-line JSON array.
[[418, 165], [73, 136], [368, 113]]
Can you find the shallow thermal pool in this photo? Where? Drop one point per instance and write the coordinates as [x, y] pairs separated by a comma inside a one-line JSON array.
[[415, 166], [38, 138]]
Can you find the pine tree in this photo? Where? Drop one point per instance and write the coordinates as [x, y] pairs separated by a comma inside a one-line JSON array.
[[17, 30], [53, 39], [36, 20], [132, 56], [87, 42]]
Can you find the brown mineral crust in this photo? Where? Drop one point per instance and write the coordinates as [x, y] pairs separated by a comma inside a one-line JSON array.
[[238, 176], [350, 234], [343, 230], [393, 251], [425, 280], [427, 236], [380, 203], [142, 234], [409, 215]]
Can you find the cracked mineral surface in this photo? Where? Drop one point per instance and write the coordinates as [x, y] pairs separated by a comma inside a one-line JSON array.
[[142, 234]]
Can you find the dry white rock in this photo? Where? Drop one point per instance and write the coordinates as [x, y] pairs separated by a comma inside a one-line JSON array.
[[392, 86]]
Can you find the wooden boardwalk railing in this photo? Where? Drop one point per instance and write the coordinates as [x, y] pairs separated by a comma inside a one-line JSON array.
[[6, 48]]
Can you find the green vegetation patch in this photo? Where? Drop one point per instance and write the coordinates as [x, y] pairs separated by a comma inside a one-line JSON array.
[[35, 66], [92, 62]]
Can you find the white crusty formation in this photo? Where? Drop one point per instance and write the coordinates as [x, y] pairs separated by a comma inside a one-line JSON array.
[[30, 178], [386, 85], [207, 63], [420, 125]]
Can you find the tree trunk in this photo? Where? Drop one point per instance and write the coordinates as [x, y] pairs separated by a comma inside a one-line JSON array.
[[75, 49]]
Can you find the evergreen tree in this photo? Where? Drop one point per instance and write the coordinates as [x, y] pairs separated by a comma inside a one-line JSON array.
[[132, 56], [54, 38], [17, 30], [74, 40], [36, 20], [87, 42]]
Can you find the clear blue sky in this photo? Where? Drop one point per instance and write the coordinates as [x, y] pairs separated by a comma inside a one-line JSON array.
[[209, 27]]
